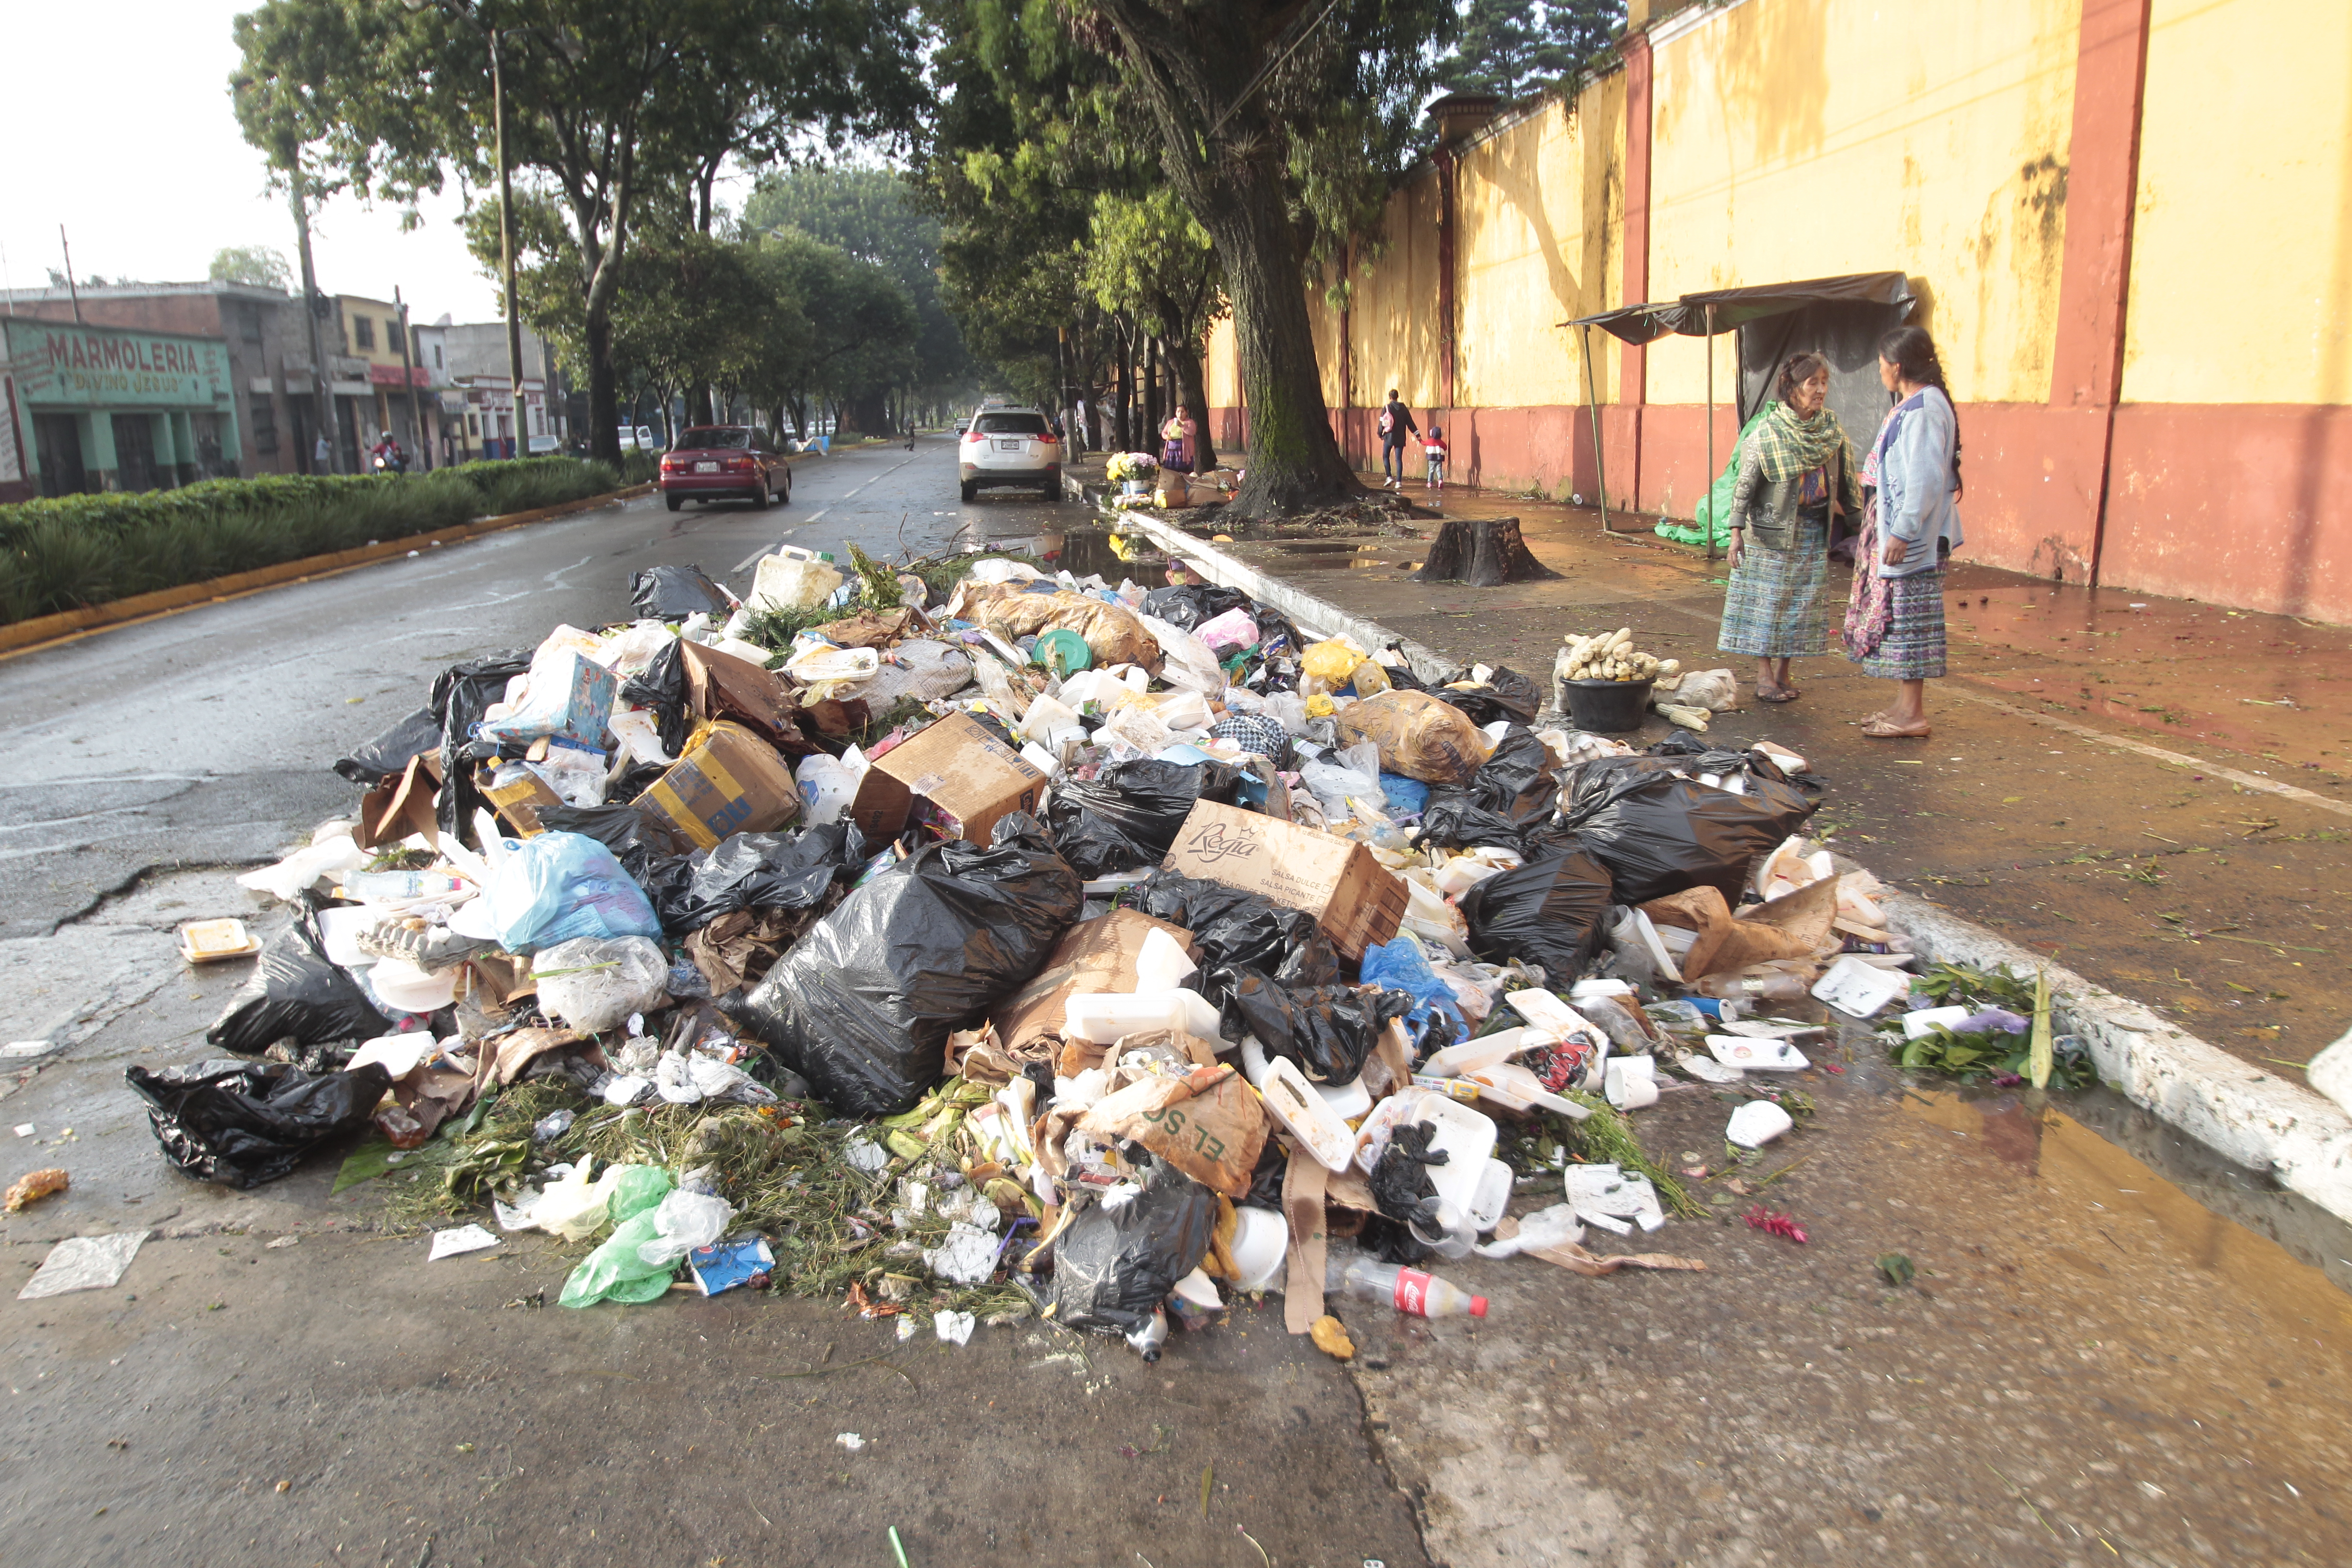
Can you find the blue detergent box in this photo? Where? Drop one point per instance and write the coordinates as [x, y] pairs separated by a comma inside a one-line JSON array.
[[724, 1264]]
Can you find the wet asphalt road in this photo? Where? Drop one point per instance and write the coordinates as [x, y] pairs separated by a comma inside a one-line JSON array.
[[204, 737]]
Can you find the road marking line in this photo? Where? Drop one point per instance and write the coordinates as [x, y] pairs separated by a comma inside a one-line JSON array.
[[753, 559]]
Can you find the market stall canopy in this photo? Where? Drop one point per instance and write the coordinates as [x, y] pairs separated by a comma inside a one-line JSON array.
[[1736, 308]]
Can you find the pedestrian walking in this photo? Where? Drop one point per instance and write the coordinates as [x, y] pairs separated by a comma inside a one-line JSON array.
[[1894, 621], [1434, 451], [1396, 424], [1796, 474], [323, 455]]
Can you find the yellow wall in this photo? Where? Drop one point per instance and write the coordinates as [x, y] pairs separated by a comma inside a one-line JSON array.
[[1395, 314], [1219, 371], [1796, 139], [2241, 246], [1541, 209]]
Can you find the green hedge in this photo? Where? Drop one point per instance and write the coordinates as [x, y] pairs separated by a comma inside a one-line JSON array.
[[63, 553]]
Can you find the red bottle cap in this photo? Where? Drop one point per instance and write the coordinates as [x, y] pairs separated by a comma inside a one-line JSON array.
[[1477, 1305]]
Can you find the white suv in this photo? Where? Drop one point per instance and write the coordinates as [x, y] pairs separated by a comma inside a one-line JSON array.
[[1010, 447]]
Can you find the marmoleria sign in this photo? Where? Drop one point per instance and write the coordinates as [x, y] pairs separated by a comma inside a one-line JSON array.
[[97, 366]]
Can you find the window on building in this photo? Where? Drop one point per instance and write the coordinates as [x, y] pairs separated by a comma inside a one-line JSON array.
[[363, 332], [437, 356], [264, 420], [253, 324], [473, 424]]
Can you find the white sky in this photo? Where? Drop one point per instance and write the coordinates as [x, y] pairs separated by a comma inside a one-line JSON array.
[[136, 151]]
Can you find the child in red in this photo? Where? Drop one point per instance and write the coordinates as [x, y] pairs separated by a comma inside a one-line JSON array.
[[1433, 447]]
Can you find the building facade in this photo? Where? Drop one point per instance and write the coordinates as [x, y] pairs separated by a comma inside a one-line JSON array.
[[482, 378], [2062, 180], [103, 408]]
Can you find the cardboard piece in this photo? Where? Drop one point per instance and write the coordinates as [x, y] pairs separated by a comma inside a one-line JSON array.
[[955, 777], [727, 781], [518, 802], [1796, 925], [402, 804], [1208, 1124], [1093, 956], [721, 686], [1303, 1182], [1352, 896]]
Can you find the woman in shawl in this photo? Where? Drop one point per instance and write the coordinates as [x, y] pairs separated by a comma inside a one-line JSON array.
[[1895, 620], [1796, 472]]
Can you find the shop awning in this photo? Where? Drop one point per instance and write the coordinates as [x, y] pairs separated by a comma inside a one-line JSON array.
[[1735, 308]]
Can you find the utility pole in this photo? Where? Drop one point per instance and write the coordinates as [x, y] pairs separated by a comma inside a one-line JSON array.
[[506, 238], [408, 369], [71, 286], [321, 407]]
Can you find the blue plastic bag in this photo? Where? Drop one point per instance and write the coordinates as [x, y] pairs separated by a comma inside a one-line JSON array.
[[1406, 797], [1400, 965], [559, 886]]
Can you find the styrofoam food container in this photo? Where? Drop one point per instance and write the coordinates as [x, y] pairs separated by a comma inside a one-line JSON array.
[[1860, 989], [1104, 1018], [1494, 1195], [339, 933], [1328, 1140], [1756, 1123], [1471, 1055], [1261, 1243], [1918, 1023], [1753, 1055]]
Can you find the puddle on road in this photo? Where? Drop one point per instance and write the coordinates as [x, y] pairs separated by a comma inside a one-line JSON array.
[[1083, 552], [2097, 1151]]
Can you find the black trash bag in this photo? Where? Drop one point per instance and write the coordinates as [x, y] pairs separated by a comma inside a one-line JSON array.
[[639, 839], [243, 1123], [1505, 694], [1189, 605], [1130, 816], [1114, 1264], [674, 592], [371, 763], [661, 686], [1548, 911], [1266, 1181], [460, 697], [1453, 819], [296, 993], [863, 1005], [1329, 1030], [757, 871], [1695, 756], [1399, 1181], [1234, 930], [1659, 833]]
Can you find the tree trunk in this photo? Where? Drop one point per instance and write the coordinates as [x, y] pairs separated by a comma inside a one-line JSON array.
[[604, 388], [1294, 462], [1184, 368], [1125, 428]]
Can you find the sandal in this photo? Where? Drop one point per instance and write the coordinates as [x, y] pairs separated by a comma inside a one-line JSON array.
[[1884, 729], [1777, 694]]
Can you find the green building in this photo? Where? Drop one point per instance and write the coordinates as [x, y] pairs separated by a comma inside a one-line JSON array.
[[103, 408]]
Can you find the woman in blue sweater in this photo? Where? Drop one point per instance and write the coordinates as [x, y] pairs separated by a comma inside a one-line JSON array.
[[1895, 620]]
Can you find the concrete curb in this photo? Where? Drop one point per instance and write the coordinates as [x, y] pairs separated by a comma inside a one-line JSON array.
[[41, 631], [2259, 1119]]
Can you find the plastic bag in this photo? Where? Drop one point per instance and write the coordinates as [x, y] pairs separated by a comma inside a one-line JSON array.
[[1659, 833], [461, 695], [758, 871], [1187, 606], [674, 592], [1417, 736], [324, 857], [1513, 788], [921, 669], [639, 839], [1115, 1263], [592, 983], [1548, 911], [1130, 816], [574, 1207], [1337, 788], [660, 689], [1505, 694], [1186, 663], [243, 1123], [1329, 1030], [682, 1221], [296, 993], [1235, 930], [863, 1005], [1402, 966], [371, 763], [1114, 634], [617, 1271], [559, 886]]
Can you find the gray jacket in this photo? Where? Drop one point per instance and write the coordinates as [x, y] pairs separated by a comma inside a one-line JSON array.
[[1916, 503], [1767, 507]]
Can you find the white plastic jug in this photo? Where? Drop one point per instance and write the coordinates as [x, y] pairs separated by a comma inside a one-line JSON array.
[[792, 579], [827, 788]]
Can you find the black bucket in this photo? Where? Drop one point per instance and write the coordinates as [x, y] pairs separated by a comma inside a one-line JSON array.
[[1605, 707]]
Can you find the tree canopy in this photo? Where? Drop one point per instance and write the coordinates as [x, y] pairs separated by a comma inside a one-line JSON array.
[[255, 264], [1513, 48]]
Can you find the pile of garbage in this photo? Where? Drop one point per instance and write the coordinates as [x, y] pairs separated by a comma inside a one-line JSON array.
[[963, 938]]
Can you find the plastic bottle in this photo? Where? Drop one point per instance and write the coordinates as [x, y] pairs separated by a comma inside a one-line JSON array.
[[1148, 1339], [1777, 987], [1407, 1289]]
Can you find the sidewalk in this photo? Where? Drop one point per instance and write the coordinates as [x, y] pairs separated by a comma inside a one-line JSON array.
[[2037, 809]]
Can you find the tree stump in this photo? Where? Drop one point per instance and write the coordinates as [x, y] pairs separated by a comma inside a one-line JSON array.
[[1484, 551]]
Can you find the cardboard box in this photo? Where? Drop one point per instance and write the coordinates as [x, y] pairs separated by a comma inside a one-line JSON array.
[[729, 781], [721, 686], [518, 802], [1093, 956], [955, 774], [1350, 894]]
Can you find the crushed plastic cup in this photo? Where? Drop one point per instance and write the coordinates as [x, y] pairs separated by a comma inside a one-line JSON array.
[[1756, 1123]]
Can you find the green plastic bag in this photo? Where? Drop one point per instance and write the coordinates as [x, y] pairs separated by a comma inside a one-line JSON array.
[[615, 1271], [1714, 508]]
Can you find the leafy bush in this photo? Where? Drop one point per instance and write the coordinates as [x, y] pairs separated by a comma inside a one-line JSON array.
[[64, 551]]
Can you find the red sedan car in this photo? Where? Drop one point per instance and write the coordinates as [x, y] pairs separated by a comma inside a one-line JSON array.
[[715, 461]]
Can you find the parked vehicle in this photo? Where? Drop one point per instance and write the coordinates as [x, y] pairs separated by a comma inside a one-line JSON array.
[[713, 461], [543, 446], [641, 439], [1010, 447]]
